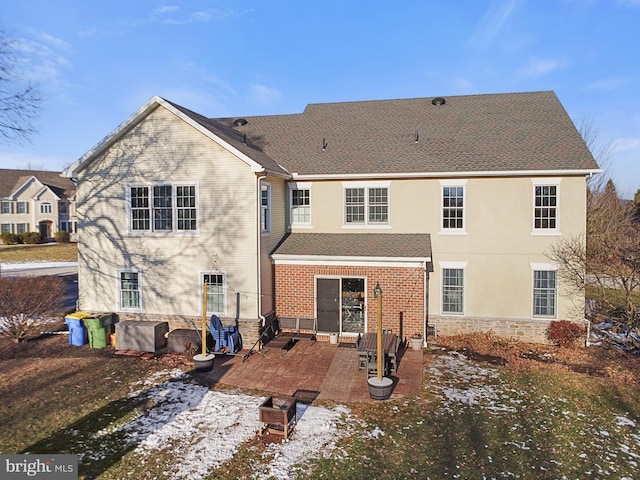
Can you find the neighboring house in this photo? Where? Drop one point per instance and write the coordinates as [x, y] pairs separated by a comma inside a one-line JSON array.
[[36, 201], [449, 204]]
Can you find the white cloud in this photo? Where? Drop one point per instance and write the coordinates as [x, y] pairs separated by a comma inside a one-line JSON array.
[[53, 41], [626, 144], [166, 9], [607, 83], [493, 21], [263, 95], [536, 68], [629, 3]]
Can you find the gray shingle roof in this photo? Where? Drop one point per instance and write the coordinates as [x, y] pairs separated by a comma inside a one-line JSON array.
[[10, 180], [386, 245], [471, 133]]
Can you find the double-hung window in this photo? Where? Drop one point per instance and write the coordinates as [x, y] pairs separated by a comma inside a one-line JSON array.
[[22, 207], [300, 201], [545, 206], [129, 290], [453, 290], [453, 206], [165, 208], [6, 207], [265, 208], [216, 292], [366, 204], [545, 293]]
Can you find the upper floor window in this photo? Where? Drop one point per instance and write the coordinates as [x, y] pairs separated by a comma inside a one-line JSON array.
[[6, 207], [163, 208], [45, 207], [453, 206], [63, 207], [22, 207], [300, 201], [545, 205], [265, 208], [366, 204]]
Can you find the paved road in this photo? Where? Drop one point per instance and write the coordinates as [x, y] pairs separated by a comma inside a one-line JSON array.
[[39, 271], [69, 271]]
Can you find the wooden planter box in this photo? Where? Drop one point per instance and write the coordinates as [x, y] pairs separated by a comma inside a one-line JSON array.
[[278, 415]]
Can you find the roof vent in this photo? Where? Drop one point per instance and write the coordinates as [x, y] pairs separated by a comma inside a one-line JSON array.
[[438, 101], [238, 122]]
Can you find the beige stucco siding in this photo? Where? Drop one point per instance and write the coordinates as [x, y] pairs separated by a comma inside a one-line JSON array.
[[164, 149], [497, 247]]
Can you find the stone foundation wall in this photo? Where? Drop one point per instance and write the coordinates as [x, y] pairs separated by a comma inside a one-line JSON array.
[[524, 330], [249, 328]]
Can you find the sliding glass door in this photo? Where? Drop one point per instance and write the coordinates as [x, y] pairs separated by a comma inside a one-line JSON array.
[[341, 305]]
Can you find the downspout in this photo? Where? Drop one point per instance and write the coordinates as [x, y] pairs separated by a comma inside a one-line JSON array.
[[258, 247], [425, 307], [587, 342]]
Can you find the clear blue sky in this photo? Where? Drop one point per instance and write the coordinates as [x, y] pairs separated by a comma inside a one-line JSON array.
[[99, 61]]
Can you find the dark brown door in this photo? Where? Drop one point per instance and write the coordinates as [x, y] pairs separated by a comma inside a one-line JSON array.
[[328, 304]]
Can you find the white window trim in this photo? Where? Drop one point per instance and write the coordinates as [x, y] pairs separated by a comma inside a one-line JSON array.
[[174, 211], [46, 204], [120, 308], [301, 186], [544, 267], [541, 182], [366, 185], [458, 266], [268, 227], [454, 183], [225, 291]]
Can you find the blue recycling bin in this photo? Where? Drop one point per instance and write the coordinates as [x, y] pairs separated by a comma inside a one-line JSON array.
[[77, 332]]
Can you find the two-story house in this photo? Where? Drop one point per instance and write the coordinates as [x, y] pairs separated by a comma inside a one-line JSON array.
[[448, 204], [36, 201]]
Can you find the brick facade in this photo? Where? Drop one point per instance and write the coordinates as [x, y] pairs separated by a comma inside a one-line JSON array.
[[403, 306]]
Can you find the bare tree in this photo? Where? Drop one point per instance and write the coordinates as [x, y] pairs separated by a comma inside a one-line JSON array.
[[606, 258], [19, 98], [26, 302]]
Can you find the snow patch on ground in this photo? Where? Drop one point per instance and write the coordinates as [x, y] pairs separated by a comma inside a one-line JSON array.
[[204, 428]]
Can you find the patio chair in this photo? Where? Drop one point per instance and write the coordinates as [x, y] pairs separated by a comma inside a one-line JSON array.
[[225, 336]]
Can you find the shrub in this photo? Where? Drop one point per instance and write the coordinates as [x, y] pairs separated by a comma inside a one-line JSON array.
[[31, 238], [564, 333], [25, 303], [9, 238], [62, 236]]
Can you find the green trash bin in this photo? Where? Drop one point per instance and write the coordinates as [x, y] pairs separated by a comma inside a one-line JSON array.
[[99, 329]]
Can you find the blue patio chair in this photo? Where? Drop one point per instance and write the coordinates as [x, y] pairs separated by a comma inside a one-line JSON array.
[[225, 336]]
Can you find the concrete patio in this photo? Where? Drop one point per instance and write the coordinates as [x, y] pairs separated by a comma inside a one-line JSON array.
[[321, 370]]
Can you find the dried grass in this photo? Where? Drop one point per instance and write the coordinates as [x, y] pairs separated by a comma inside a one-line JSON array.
[[594, 360]]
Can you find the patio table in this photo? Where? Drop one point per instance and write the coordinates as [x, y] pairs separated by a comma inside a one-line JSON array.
[[369, 344]]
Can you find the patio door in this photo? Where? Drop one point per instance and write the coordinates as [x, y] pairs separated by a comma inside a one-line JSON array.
[[340, 305], [328, 304]]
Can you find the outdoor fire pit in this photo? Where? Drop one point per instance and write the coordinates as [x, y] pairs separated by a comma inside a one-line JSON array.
[[278, 415]]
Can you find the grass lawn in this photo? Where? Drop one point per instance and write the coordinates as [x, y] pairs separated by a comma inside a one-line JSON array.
[[547, 414], [49, 252]]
